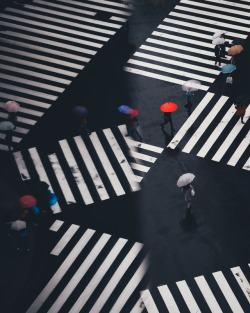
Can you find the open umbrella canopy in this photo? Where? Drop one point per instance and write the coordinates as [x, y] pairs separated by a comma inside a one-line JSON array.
[[11, 106], [18, 225], [185, 179], [27, 201], [218, 41], [228, 68], [133, 113], [191, 85], [80, 111], [6, 125], [219, 33], [235, 50], [124, 109], [169, 107]]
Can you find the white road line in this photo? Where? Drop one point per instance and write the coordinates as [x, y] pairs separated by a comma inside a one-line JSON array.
[[121, 159], [21, 130], [233, 4], [118, 19], [242, 281], [62, 181], [183, 39], [79, 274], [76, 172], [148, 301], [117, 276], [56, 225], [230, 138], [227, 292], [177, 63], [107, 165], [31, 82], [39, 66], [180, 47], [178, 55], [111, 3], [14, 139], [95, 7], [240, 150], [213, 14], [20, 119], [138, 178], [62, 270], [188, 297], [139, 167], [138, 144], [168, 299], [246, 166], [28, 91], [160, 77], [21, 165], [65, 239], [130, 287], [35, 74], [47, 59], [170, 70], [205, 124], [100, 188], [210, 21], [73, 17], [25, 110], [8, 96], [217, 8], [189, 122], [216, 132], [4, 147], [138, 307], [66, 8], [205, 28], [141, 156], [52, 43], [208, 294], [54, 27], [102, 270]]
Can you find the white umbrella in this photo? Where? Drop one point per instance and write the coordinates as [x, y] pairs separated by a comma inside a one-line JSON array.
[[218, 41], [185, 179], [18, 225], [219, 33], [191, 85], [6, 125]]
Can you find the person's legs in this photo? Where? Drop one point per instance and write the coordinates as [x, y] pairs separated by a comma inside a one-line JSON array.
[[164, 123], [242, 116]]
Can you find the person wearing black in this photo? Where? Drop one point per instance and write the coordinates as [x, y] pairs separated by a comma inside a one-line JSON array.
[[132, 125], [168, 119], [218, 54]]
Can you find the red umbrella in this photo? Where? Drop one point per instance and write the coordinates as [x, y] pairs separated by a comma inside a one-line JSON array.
[[133, 113], [169, 107], [27, 201]]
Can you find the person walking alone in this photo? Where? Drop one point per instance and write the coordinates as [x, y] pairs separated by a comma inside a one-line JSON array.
[[218, 54], [168, 119], [188, 103], [189, 193], [241, 110]]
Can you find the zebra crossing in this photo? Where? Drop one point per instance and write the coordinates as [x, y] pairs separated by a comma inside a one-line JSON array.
[[44, 46], [180, 48], [214, 131], [86, 169], [227, 291], [95, 272]]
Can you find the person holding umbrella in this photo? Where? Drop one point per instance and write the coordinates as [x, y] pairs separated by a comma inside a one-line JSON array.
[[190, 86], [184, 182], [168, 108], [228, 69], [132, 124], [82, 112]]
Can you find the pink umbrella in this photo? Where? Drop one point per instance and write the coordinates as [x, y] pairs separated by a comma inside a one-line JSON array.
[[11, 106]]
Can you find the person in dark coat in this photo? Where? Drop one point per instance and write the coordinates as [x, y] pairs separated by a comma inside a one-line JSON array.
[[188, 102], [241, 110], [168, 119], [218, 54], [132, 125], [189, 193], [12, 117]]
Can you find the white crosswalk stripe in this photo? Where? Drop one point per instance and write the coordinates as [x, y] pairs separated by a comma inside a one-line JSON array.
[[85, 169], [217, 132], [115, 256], [44, 47], [181, 48], [204, 296]]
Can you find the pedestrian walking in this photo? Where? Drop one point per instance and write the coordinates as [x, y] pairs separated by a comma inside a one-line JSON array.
[[241, 110], [184, 182], [218, 54], [188, 102], [167, 117], [132, 125]]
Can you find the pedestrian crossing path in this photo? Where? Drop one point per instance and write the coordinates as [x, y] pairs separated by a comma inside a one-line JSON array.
[[95, 272], [214, 131], [181, 47], [227, 291], [44, 46], [86, 169]]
